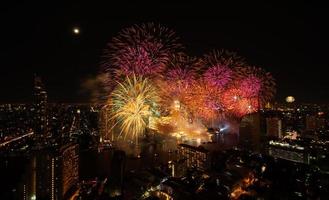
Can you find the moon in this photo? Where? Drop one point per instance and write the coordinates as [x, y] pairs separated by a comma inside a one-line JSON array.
[[290, 99], [76, 30]]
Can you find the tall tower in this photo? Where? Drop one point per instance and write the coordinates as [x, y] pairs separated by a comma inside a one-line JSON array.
[[40, 106], [106, 125]]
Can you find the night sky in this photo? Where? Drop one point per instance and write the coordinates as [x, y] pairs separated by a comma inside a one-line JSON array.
[[289, 41]]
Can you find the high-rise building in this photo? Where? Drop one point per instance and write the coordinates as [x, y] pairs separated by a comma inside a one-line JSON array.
[[194, 157], [251, 131], [52, 174], [69, 171], [286, 151], [40, 107], [106, 125], [274, 127], [117, 174], [57, 172]]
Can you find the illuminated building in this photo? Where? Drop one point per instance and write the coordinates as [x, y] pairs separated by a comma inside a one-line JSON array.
[[105, 125], [53, 174], [40, 106], [292, 152], [194, 157], [174, 188], [57, 172], [274, 127], [69, 172]]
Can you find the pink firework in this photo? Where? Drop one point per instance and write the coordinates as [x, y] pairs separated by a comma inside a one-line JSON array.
[[138, 61], [179, 77], [180, 74], [250, 86], [223, 58], [218, 68], [255, 82], [141, 50], [237, 105], [179, 80], [218, 76]]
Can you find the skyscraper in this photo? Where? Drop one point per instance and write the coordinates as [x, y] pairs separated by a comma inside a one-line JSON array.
[[117, 174], [40, 106], [57, 172], [251, 131]]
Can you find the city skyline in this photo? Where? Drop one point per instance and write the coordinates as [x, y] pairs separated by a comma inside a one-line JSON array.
[[66, 60], [163, 101]]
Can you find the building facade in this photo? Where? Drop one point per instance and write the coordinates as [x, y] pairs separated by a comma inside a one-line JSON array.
[[40, 107]]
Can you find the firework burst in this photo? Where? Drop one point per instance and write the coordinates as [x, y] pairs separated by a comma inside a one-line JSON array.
[[204, 101], [179, 77], [255, 82], [143, 50], [235, 104], [218, 68], [146, 68], [133, 102]]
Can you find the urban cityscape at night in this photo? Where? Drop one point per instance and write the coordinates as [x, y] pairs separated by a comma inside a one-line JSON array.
[[163, 101]]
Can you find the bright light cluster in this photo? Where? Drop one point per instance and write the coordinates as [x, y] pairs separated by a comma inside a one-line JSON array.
[[150, 74], [133, 102]]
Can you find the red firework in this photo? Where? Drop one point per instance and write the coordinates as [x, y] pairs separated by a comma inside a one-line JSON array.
[[250, 86], [218, 68], [204, 101], [218, 76], [180, 75], [236, 104], [141, 50], [219, 83], [255, 82]]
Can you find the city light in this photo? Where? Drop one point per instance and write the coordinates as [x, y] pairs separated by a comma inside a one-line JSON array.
[[15, 139], [155, 116]]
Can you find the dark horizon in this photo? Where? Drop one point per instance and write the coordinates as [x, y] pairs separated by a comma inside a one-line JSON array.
[[288, 42]]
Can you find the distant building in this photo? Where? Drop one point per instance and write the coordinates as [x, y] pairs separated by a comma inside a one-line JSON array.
[[55, 174], [194, 157], [274, 127], [251, 131], [40, 107], [69, 168], [311, 122], [292, 152], [314, 122], [61, 173], [106, 125]]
